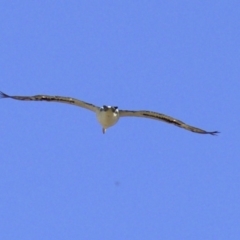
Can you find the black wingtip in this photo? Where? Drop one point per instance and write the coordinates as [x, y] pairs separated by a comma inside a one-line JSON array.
[[3, 95], [213, 133]]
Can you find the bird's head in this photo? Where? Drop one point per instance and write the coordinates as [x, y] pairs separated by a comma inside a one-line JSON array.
[[109, 108]]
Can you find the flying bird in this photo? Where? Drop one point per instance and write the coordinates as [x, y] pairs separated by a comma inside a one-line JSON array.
[[109, 115]]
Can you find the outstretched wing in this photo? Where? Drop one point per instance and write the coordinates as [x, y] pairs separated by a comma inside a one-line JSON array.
[[165, 118], [48, 98]]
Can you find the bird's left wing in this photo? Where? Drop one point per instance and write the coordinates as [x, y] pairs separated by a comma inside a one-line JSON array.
[[58, 99], [164, 118]]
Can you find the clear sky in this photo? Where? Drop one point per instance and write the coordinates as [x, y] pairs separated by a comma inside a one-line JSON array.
[[61, 178]]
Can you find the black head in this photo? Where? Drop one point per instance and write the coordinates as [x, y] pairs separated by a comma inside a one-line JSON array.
[[106, 108]]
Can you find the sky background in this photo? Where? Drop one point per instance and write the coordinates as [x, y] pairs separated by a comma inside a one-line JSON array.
[[61, 178]]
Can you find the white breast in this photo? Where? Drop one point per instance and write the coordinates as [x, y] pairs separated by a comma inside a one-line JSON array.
[[107, 118]]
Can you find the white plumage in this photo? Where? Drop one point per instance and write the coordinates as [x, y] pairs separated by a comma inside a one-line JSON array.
[[108, 115]]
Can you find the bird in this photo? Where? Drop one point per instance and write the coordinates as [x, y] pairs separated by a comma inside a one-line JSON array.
[[108, 116]]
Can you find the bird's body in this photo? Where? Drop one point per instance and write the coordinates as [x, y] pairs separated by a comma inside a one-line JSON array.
[[108, 115]]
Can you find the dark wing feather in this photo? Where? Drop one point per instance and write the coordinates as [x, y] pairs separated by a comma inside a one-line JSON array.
[[165, 118], [48, 98]]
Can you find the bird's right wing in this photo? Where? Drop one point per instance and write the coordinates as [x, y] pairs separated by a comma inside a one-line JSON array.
[[58, 99]]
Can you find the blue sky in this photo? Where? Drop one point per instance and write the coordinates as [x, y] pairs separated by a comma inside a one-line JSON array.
[[61, 178]]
